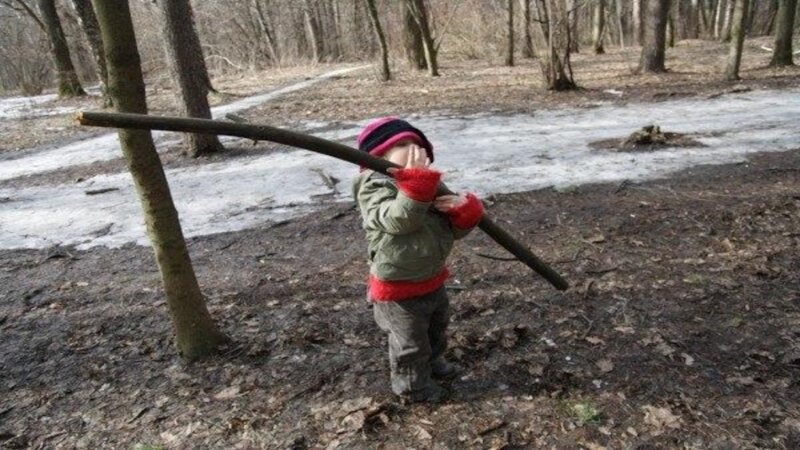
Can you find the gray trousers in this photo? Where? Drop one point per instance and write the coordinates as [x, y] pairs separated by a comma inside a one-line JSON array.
[[416, 329]]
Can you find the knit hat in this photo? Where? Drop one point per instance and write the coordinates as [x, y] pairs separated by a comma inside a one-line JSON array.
[[380, 135]]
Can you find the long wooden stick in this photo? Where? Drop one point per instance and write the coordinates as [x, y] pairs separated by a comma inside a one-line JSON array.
[[314, 144]]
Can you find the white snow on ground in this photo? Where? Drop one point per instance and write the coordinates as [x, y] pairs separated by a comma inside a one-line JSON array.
[[106, 147], [485, 153], [36, 106]]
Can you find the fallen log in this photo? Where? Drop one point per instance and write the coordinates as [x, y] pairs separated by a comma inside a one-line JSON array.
[[314, 144]]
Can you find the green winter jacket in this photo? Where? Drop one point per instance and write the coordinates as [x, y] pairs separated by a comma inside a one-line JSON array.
[[407, 239]]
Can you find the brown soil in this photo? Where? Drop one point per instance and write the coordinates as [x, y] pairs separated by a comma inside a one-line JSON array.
[[682, 331]]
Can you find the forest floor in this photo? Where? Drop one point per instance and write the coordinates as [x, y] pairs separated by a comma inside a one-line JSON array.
[[682, 329]]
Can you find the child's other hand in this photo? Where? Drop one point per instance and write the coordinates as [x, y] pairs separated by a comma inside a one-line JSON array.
[[416, 156], [445, 203]]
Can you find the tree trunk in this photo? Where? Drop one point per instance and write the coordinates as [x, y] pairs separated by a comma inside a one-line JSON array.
[[196, 334], [556, 67], [598, 26], [266, 32], [618, 4], [527, 42], [637, 22], [573, 7], [737, 40], [782, 53], [68, 84], [412, 39], [376, 24], [672, 22], [91, 29], [655, 30], [725, 36], [185, 58], [312, 31], [719, 18], [420, 14], [510, 33]]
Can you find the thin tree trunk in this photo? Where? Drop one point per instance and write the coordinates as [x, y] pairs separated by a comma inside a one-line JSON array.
[[737, 40], [671, 24], [719, 18], [68, 84], [782, 53], [91, 29], [618, 4], [376, 24], [412, 40], [312, 30], [527, 42], [420, 14], [185, 58], [196, 334], [655, 30], [573, 7], [556, 67], [637, 22], [725, 35], [598, 26], [510, 33], [266, 31]]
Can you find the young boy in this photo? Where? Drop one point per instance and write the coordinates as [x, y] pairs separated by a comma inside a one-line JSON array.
[[410, 232]]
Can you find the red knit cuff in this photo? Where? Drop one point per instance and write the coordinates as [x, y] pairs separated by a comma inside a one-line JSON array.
[[467, 214], [418, 183]]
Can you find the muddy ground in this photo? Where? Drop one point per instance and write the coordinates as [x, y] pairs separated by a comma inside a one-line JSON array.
[[682, 331]]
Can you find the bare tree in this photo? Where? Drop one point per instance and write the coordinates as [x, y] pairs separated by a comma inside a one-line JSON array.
[[598, 26], [412, 41], [621, 28], [313, 30], [737, 40], [556, 34], [420, 14], [376, 24], [527, 39], [655, 30], [68, 84], [196, 334], [510, 33], [638, 32], [782, 53], [185, 57], [91, 29], [573, 12], [266, 29]]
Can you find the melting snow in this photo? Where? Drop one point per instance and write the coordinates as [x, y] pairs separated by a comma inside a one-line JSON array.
[[485, 153]]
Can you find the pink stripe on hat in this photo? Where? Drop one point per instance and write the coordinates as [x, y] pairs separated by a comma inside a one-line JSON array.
[[372, 126]]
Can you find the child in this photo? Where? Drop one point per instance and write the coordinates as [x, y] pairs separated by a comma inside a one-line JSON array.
[[410, 232]]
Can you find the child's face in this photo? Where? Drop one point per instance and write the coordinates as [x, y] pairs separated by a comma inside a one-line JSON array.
[[398, 154]]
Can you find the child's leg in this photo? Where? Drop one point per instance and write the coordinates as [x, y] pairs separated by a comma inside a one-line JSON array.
[[407, 323], [437, 331]]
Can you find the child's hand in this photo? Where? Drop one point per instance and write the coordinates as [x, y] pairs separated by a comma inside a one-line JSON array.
[[445, 203], [416, 156]]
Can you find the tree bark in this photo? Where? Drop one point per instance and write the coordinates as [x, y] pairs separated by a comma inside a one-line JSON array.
[[719, 18], [510, 33], [618, 8], [655, 30], [376, 24], [88, 21], [68, 84], [638, 32], [266, 31], [556, 66], [185, 58], [312, 31], [725, 36], [598, 26], [527, 40], [782, 52], [420, 14], [573, 8], [196, 334], [737, 39], [412, 39]]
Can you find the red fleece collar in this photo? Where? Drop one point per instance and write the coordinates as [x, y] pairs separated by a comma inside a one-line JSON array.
[[390, 291]]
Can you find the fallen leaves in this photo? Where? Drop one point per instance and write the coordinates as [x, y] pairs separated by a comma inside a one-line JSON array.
[[660, 419]]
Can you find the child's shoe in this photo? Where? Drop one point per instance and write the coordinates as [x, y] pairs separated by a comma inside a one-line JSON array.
[[442, 369]]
